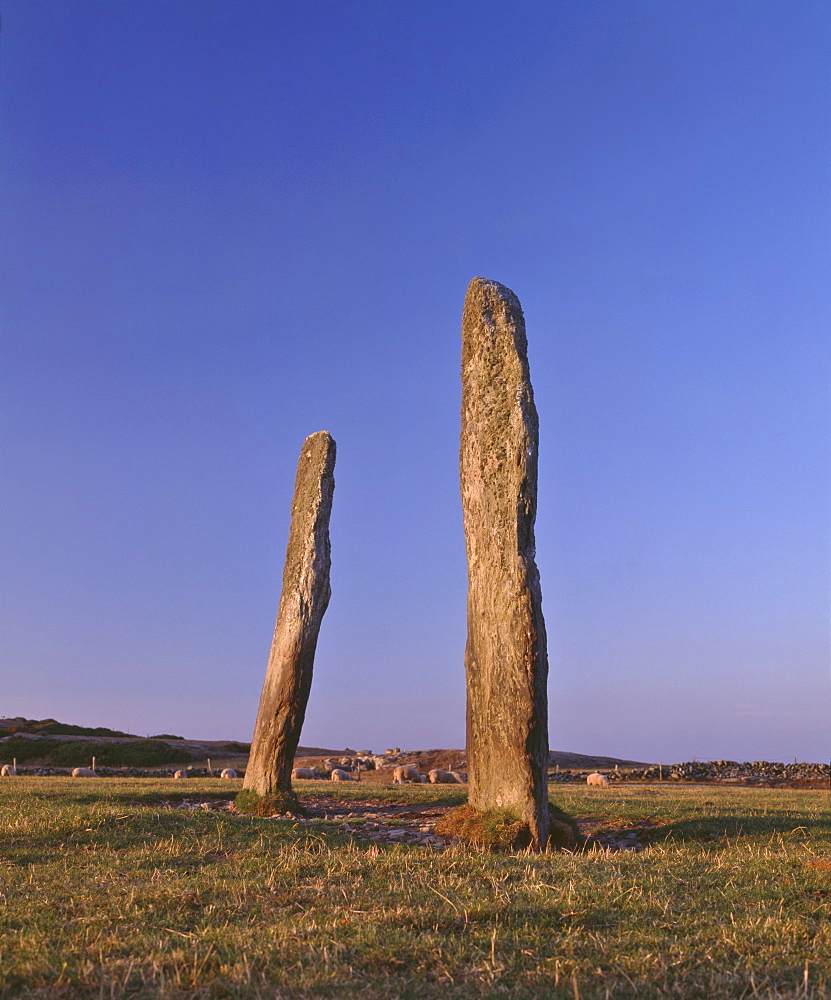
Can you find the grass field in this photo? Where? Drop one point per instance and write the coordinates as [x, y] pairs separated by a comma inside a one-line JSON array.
[[107, 892]]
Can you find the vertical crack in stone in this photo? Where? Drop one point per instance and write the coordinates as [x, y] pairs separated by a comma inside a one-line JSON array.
[[303, 601], [506, 661]]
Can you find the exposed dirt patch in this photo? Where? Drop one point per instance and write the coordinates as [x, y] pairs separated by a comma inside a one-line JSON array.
[[374, 821]]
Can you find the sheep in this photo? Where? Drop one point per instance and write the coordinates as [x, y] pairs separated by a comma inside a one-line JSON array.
[[596, 778], [180, 774], [8, 771], [339, 775], [303, 774], [228, 772], [83, 772], [404, 774], [439, 777]]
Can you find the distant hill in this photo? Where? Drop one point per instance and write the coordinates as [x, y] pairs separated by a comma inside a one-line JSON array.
[[56, 751], [579, 761], [198, 748], [51, 727]]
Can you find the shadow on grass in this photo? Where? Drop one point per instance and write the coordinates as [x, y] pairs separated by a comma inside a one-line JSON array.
[[716, 828], [461, 918], [716, 831]]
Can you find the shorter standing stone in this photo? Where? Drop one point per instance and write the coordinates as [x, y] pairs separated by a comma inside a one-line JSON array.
[[304, 599]]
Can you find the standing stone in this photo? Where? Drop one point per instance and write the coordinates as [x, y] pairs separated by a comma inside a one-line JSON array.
[[506, 660], [303, 601]]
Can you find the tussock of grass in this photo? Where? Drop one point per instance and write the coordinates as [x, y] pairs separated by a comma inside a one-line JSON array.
[[502, 830], [498, 829], [251, 803]]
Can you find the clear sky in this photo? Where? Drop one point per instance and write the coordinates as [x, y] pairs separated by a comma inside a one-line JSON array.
[[230, 223]]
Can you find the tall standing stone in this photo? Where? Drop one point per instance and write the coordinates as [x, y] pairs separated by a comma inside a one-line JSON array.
[[506, 660], [303, 601]]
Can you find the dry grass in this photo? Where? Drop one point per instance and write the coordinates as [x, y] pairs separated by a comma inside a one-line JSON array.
[[105, 892]]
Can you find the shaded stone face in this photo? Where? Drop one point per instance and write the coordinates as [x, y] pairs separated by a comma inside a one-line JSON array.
[[303, 601], [506, 660]]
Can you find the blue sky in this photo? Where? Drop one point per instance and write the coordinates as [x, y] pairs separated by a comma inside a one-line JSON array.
[[230, 223]]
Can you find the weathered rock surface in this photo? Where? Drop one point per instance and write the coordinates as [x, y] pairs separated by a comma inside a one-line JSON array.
[[506, 658], [304, 599]]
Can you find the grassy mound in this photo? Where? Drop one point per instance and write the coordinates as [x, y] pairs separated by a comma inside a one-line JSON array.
[[250, 802], [503, 830], [74, 753]]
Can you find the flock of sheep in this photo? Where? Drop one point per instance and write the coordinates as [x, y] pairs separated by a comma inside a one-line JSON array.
[[345, 769], [10, 770], [402, 775], [349, 769]]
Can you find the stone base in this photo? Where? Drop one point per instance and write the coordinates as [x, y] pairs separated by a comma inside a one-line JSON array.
[[253, 804]]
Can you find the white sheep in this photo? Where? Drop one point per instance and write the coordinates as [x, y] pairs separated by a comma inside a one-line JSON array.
[[303, 773], [596, 778], [340, 775], [439, 777], [404, 774], [228, 772], [83, 772], [460, 777], [8, 771], [180, 774]]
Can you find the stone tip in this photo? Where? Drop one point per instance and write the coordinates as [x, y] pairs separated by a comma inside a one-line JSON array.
[[320, 436], [488, 284]]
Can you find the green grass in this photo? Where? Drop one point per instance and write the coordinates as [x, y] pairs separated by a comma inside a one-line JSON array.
[[105, 892]]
